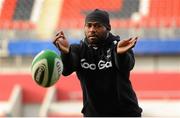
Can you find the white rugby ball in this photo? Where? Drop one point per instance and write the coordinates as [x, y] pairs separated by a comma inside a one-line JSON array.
[[46, 68]]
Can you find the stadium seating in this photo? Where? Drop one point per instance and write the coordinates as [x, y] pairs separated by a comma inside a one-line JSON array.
[[161, 12], [68, 88], [15, 16], [164, 12], [7, 10], [148, 86]]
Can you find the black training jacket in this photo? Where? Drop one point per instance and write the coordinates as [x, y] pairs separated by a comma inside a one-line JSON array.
[[104, 78]]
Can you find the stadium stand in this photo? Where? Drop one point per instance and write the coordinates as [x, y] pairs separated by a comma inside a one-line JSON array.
[[21, 12], [161, 12], [158, 24], [14, 15], [69, 89], [7, 10], [148, 86]]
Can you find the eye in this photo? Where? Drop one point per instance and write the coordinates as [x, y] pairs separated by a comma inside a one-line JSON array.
[[98, 25], [88, 25]]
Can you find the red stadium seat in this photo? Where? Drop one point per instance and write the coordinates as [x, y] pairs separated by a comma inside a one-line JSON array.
[[165, 12], [7, 10], [72, 15], [7, 17], [162, 13]]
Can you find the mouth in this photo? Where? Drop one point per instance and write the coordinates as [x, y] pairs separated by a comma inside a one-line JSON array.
[[92, 37]]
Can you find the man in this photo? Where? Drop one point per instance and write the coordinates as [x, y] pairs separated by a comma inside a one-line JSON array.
[[102, 63]]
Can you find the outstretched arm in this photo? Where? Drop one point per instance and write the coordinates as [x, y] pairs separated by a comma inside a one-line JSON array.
[[126, 44], [124, 56], [61, 42]]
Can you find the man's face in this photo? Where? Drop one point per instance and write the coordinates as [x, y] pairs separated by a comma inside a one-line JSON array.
[[95, 32]]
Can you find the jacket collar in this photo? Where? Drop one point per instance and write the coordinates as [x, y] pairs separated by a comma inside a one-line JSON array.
[[108, 41]]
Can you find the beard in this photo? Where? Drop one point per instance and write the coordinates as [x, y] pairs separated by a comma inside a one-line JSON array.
[[95, 40]]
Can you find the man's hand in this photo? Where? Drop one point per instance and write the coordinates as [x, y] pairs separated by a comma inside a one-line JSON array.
[[61, 42], [126, 44]]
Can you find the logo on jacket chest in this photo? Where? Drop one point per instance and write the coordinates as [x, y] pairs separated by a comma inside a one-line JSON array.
[[101, 64]]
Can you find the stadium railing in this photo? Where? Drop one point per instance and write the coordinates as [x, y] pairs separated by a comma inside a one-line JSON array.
[[49, 98], [14, 103]]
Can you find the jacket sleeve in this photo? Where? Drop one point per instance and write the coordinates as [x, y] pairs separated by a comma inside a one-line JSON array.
[[125, 61], [70, 60]]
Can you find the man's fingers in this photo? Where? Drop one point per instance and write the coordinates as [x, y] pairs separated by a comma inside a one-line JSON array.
[[59, 45], [56, 37], [62, 34], [133, 43], [61, 42], [133, 39], [59, 36], [126, 44], [127, 40]]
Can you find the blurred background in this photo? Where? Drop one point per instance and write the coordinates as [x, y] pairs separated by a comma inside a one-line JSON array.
[[28, 26]]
